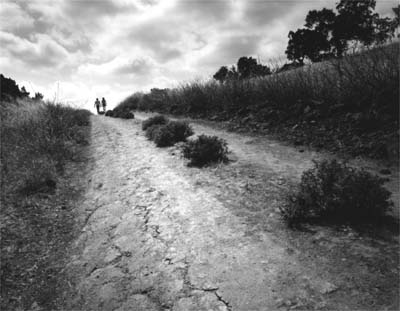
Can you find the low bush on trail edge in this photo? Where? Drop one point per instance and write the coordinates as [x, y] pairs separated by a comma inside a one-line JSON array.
[[169, 134], [150, 131], [335, 193], [109, 113], [205, 150], [159, 120], [180, 130], [123, 114]]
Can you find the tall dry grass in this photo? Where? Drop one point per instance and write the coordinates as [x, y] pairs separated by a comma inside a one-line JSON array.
[[36, 141], [36, 223], [354, 96]]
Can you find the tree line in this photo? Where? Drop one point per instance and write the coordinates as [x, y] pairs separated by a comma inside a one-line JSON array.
[[10, 90], [326, 34]]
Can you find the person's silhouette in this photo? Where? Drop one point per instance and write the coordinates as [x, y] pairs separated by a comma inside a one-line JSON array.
[[104, 104], [97, 105]]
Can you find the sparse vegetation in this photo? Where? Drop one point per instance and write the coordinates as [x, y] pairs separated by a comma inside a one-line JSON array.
[[205, 150], [334, 192], [156, 120]]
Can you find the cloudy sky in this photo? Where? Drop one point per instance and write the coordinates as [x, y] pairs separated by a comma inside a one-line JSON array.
[[77, 50]]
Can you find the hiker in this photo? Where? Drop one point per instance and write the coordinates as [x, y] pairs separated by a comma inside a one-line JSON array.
[[104, 104], [97, 105]]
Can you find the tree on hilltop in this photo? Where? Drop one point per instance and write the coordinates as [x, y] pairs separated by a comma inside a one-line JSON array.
[[328, 34], [247, 67]]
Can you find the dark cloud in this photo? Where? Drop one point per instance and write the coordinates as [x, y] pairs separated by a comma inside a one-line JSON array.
[[160, 39], [205, 10], [231, 49], [265, 12], [91, 10], [42, 53], [138, 67]]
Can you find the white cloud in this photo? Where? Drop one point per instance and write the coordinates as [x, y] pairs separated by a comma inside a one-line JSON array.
[[111, 48], [13, 18]]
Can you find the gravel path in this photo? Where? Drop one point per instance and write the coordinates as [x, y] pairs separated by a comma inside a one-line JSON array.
[[162, 236]]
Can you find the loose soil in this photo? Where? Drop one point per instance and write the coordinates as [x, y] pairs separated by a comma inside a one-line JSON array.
[[159, 235]]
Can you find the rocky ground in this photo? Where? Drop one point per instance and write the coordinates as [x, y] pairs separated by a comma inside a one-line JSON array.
[[159, 235]]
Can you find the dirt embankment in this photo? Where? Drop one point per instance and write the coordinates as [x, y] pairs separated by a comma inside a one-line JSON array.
[[161, 236]]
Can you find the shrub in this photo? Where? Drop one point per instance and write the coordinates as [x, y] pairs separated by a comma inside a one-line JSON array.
[[334, 192], [150, 131], [205, 150], [163, 136], [168, 134], [109, 113], [180, 130], [124, 115], [159, 119]]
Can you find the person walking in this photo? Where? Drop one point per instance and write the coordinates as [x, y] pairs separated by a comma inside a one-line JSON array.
[[104, 104], [97, 105]]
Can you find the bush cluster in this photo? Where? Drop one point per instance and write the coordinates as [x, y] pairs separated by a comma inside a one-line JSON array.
[[205, 150], [167, 134], [334, 192], [123, 114], [156, 120]]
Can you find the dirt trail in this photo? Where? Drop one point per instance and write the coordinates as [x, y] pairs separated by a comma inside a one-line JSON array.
[[162, 236]]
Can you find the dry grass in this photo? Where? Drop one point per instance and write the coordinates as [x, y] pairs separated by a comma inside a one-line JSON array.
[[37, 140], [336, 104]]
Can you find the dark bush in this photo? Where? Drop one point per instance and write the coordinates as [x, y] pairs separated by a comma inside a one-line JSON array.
[[180, 130], [163, 136], [205, 150], [123, 114], [169, 134], [109, 113], [333, 192], [159, 119], [150, 131]]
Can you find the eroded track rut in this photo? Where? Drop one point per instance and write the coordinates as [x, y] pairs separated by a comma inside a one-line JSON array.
[[157, 238]]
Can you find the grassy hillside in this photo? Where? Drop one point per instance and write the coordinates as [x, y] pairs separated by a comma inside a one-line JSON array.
[[37, 141], [349, 104]]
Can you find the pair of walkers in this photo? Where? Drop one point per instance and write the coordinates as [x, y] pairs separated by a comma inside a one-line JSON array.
[[103, 104]]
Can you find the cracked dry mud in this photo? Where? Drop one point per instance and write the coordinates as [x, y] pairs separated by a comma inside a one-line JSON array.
[[161, 236]]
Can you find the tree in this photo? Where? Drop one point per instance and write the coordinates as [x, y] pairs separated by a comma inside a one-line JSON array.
[[248, 67], [221, 74], [321, 21], [328, 34], [306, 43], [38, 96], [355, 22], [24, 92], [8, 88], [396, 20]]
